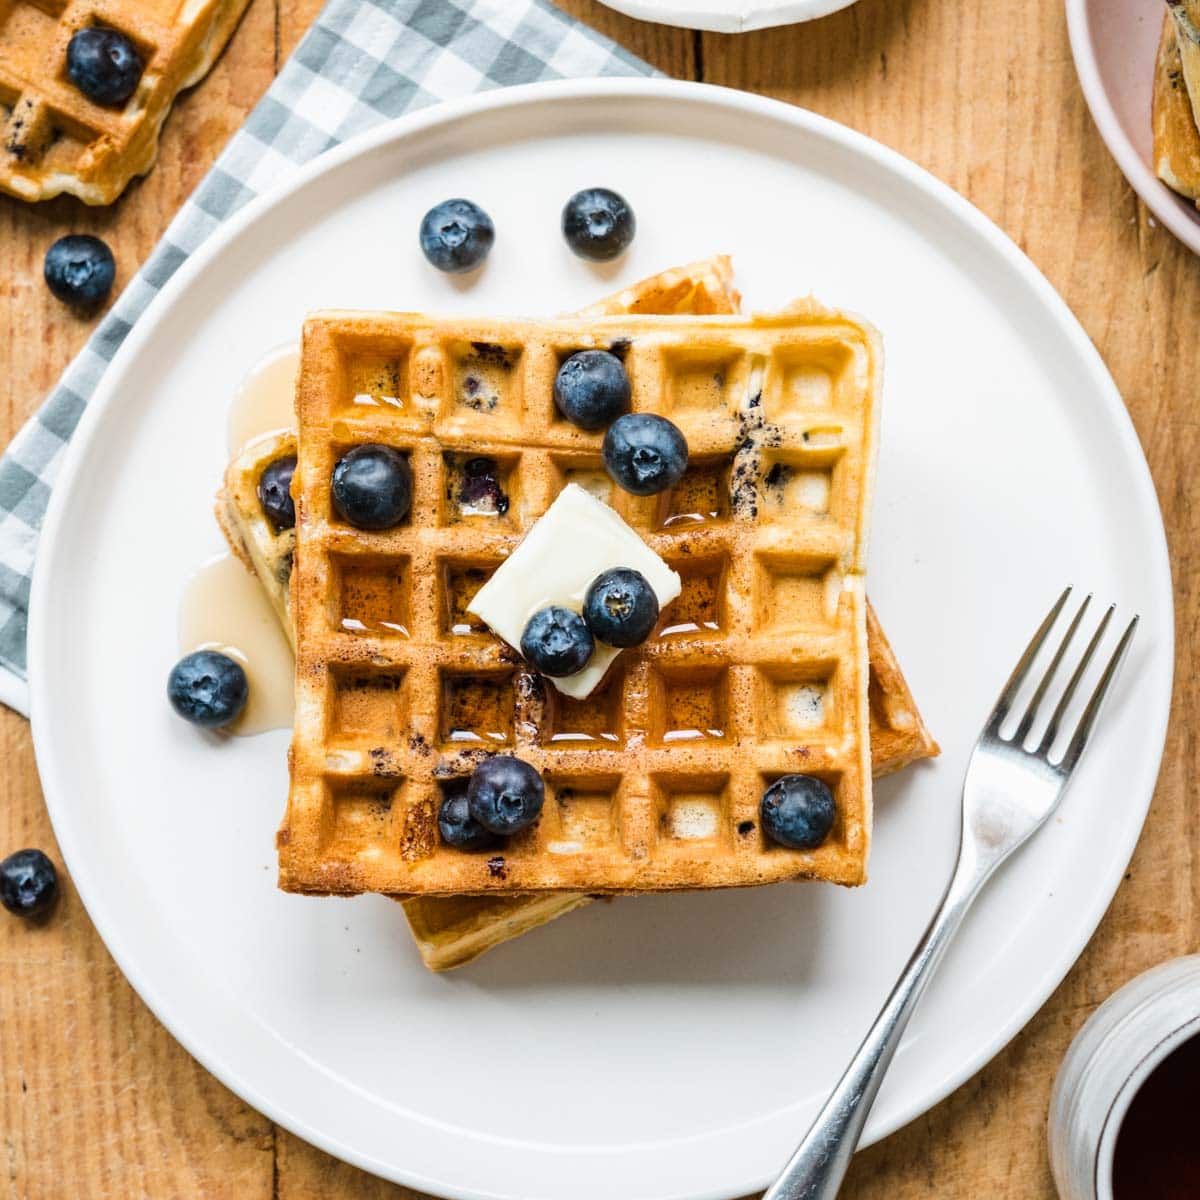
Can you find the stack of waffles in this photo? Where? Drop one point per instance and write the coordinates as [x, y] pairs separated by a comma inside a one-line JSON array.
[[57, 140], [769, 662]]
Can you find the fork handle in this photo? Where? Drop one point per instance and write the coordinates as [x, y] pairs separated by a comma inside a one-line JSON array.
[[815, 1171]]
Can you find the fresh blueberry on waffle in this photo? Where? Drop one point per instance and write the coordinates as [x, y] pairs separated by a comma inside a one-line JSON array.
[[591, 389], [104, 65]]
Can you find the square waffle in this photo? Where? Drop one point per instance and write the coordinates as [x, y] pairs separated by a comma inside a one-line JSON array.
[[57, 140], [453, 930], [758, 669]]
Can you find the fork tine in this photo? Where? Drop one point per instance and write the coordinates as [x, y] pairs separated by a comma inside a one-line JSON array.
[[1035, 703], [1004, 703], [1057, 716], [1083, 732]]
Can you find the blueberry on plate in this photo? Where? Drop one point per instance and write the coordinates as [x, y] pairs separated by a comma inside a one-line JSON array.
[[798, 811], [28, 883], [557, 641], [598, 224], [208, 688], [104, 64], [505, 795], [372, 487], [620, 607], [275, 493], [645, 453], [456, 825], [591, 389], [79, 269], [456, 236]]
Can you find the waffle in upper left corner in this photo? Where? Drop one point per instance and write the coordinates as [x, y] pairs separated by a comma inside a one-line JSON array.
[[57, 138]]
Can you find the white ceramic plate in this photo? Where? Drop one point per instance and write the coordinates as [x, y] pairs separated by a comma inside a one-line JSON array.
[[1115, 43], [727, 16], [654, 1048]]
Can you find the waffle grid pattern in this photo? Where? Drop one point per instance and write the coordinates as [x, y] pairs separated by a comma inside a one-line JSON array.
[[765, 651], [57, 140]]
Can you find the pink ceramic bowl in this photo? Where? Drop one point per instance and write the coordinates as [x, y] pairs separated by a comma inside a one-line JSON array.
[[1114, 43]]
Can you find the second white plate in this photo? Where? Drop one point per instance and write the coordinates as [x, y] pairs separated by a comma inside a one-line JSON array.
[[656, 1048], [728, 16]]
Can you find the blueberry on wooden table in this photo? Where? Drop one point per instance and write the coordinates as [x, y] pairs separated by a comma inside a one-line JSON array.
[[104, 65], [456, 236], [28, 883], [798, 811], [505, 794], [208, 688], [592, 389], [372, 487], [598, 224], [645, 453], [620, 607], [80, 269], [557, 641]]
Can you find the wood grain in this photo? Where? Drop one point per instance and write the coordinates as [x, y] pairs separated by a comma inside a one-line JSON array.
[[97, 1099]]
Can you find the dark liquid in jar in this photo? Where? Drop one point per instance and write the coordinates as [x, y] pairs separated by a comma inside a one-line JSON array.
[[1158, 1146]]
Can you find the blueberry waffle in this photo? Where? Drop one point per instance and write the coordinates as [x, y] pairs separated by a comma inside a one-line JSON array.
[[759, 669], [58, 138]]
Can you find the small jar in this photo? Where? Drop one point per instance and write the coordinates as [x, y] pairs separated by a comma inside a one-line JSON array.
[[1114, 1053]]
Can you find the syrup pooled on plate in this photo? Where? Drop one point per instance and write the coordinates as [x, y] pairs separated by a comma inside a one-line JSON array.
[[266, 401], [225, 608]]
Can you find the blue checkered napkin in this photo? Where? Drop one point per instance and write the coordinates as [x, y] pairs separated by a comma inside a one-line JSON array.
[[362, 62]]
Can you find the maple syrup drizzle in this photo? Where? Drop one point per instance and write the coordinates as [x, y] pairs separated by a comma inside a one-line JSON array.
[[266, 400], [225, 608]]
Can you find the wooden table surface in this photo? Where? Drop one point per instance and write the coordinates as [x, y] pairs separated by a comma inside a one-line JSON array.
[[98, 1100]]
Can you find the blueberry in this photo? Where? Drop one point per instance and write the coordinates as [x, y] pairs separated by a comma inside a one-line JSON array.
[[505, 794], [372, 487], [557, 641], [598, 224], [275, 493], [621, 607], [645, 453], [104, 64], [798, 811], [79, 269], [456, 236], [456, 825], [208, 688], [591, 389], [28, 883]]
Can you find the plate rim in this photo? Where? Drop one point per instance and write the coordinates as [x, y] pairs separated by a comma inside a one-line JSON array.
[[1166, 205], [761, 14], [446, 113]]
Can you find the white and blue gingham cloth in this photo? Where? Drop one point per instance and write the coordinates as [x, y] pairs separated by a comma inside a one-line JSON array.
[[362, 63]]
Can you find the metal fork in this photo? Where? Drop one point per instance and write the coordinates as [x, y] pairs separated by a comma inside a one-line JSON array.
[[1008, 794]]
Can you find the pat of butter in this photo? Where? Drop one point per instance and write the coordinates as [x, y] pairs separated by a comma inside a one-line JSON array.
[[577, 538]]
